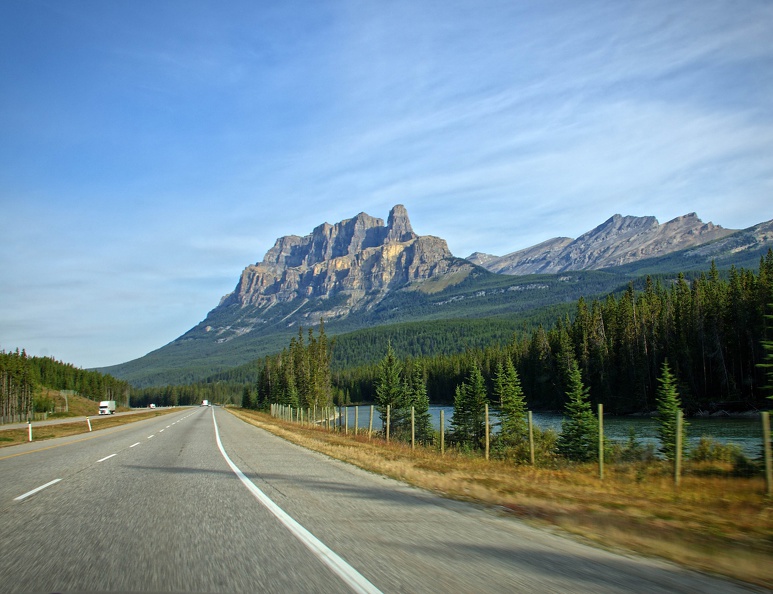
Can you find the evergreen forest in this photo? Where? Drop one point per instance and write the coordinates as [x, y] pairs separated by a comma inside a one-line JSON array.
[[22, 377], [712, 330]]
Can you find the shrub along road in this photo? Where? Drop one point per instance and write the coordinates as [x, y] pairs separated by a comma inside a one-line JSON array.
[[156, 506]]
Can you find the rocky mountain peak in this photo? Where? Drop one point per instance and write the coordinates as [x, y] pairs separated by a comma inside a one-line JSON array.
[[356, 261], [618, 240], [398, 225]]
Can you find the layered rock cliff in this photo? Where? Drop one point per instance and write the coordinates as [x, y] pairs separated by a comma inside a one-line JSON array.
[[619, 240], [355, 261]]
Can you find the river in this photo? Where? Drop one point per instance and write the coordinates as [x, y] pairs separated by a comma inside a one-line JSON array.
[[745, 432]]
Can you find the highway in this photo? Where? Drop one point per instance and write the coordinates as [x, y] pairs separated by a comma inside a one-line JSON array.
[[199, 501]]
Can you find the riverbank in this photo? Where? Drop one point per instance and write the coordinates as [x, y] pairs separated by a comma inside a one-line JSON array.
[[713, 522]]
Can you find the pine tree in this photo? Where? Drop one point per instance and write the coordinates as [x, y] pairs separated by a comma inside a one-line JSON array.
[[507, 389], [669, 405], [767, 362], [579, 430], [416, 396], [390, 391], [247, 397], [468, 425]]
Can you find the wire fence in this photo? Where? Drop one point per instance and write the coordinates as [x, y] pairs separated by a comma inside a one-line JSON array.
[[336, 419]]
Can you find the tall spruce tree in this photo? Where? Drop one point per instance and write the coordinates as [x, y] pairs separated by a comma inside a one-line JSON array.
[[767, 347], [417, 397], [669, 404], [507, 389], [579, 429], [390, 391], [247, 401], [468, 425]]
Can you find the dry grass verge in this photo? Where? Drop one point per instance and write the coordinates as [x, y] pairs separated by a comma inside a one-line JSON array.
[[716, 524], [11, 437]]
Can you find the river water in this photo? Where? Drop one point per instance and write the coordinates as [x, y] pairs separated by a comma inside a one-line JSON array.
[[745, 432]]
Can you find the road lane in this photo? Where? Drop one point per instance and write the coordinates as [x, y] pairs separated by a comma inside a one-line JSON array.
[[28, 465], [407, 540], [169, 514], [166, 516]]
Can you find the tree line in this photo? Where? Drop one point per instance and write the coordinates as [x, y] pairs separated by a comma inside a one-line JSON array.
[[299, 376], [220, 392], [711, 330], [579, 439], [21, 378]]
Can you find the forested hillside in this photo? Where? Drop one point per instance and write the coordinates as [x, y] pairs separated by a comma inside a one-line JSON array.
[[22, 376], [710, 330]]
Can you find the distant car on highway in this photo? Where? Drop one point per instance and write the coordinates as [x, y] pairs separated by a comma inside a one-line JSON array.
[[152, 406], [205, 403]]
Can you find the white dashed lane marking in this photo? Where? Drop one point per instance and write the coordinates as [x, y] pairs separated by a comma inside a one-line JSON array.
[[40, 488]]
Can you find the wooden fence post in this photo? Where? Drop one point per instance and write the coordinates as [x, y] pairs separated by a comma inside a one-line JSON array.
[[356, 419], [601, 442], [413, 429], [346, 420], [678, 452], [488, 427], [531, 438], [442, 433], [767, 453], [370, 424], [387, 425]]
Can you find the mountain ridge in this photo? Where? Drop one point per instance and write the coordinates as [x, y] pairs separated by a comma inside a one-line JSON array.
[[362, 273], [618, 241]]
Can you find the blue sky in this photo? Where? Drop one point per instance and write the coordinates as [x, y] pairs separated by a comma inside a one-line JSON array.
[[149, 151]]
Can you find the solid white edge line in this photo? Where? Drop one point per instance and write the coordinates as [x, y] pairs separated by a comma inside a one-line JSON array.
[[354, 579], [40, 488], [106, 458]]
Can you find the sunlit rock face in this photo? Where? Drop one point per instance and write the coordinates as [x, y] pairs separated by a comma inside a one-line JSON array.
[[357, 260]]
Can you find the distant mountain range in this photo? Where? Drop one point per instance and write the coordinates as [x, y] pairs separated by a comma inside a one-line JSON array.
[[360, 273], [618, 241]]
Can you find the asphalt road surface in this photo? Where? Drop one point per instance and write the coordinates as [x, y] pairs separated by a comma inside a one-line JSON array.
[[199, 501]]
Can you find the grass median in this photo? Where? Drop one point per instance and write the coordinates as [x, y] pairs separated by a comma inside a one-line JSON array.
[[9, 437], [713, 522]]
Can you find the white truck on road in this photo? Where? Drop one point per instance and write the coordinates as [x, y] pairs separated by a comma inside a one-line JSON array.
[[107, 407]]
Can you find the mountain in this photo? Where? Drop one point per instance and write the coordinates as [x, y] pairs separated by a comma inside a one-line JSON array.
[[616, 242], [361, 274], [336, 270]]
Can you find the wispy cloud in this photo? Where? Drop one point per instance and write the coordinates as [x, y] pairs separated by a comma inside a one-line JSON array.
[[147, 156]]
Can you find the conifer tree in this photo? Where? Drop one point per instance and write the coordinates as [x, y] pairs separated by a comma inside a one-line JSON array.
[[669, 405], [507, 389], [579, 429], [468, 425], [247, 397], [390, 391], [416, 396], [767, 363]]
